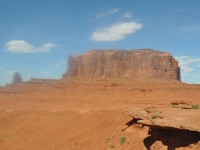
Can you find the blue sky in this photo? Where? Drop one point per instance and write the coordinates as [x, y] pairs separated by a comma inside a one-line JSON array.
[[37, 36]]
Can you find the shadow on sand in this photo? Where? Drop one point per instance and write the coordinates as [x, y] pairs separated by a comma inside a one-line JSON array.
[[171, 138]]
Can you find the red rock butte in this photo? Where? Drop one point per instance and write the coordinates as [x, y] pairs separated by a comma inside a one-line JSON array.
[[123, 64]]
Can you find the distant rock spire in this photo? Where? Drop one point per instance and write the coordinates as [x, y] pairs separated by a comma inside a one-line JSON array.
[[16, 78]]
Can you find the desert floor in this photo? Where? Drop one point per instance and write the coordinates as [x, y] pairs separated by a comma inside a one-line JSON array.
[[69, 115]]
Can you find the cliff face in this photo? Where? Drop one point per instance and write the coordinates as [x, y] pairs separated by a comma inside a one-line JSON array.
[[125, 64]]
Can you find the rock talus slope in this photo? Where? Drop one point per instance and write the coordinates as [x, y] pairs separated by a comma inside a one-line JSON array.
[[123, 64]]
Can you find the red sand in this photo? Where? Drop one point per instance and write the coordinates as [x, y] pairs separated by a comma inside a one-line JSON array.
[[84, 115]]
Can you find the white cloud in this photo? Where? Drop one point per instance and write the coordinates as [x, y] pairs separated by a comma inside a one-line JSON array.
[[21, 46], [46, 72], [45, 47], [107, 14], [188, 63], [116, 32], [186, 69], [60, 63], [126, 15], [1, 68]]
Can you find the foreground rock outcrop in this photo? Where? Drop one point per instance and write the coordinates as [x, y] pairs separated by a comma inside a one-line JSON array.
[[171, 127], [123, 64], [168, 118]]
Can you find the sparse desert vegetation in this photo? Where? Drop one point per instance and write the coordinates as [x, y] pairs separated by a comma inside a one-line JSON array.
[[111, 146], [122, 140], [154, 117], [195, 107], [74, 113], [79, 120]]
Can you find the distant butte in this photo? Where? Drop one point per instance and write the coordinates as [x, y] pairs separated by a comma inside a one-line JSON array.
[[123, 64]]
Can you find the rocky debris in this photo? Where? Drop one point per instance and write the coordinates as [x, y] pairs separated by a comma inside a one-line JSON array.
[[178, 102], [168, 118], [181, 104], [123, 64]]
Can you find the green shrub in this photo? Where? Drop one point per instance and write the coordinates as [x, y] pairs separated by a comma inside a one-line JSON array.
[[154, 117], [122, 140], [111, 146], [195, 107], [175, 106]]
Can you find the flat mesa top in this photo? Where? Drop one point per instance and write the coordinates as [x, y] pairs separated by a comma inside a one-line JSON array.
[[132, 51]]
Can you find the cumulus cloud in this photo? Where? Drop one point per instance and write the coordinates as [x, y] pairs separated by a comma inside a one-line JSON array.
[[115, 32], [107, 14], [45, 47], [188, 63], [21, 46]]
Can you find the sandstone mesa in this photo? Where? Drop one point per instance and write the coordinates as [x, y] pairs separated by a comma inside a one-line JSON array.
[[123, 64]]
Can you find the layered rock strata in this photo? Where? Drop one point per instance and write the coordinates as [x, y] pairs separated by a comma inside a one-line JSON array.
[[123, 64]]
